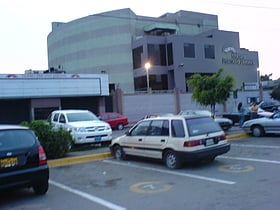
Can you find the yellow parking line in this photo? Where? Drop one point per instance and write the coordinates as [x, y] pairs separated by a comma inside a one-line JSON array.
[[237, 136]]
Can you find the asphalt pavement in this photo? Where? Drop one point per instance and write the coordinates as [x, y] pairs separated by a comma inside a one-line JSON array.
[[97, 152]]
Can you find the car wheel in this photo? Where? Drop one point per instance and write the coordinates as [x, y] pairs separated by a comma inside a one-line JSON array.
[[171, 159], [120, 126], [119, 153], [41, 188], [257, 131]]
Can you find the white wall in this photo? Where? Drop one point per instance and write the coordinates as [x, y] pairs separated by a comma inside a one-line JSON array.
[[138, 105]]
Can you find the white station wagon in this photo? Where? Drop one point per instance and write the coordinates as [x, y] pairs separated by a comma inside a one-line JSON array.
[[173, 139], [85, 127]]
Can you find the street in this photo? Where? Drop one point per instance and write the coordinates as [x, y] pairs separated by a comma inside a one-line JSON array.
[[244, 178]]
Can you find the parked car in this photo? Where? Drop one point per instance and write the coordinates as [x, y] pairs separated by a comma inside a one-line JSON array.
[[172, 139], [23, 161], [235, 115], [264, 125], [225, 123], [116, 120], [269, 106], [85, 127], [158, 115]]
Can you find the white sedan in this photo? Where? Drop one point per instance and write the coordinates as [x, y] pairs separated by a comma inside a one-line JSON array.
[[265, 125]]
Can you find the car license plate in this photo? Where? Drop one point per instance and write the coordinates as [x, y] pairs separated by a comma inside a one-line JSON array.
[[97, 138], [8, 162], [209, 142]]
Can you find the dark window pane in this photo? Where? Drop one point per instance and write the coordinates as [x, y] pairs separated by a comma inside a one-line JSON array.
[[189, 51], [209, 51], [137, 54], [170, 54], [198, 126], [177, 128], [157, 54], [141, 129], [15, 139]]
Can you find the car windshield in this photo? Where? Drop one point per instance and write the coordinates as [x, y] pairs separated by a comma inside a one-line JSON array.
[[204, 125], [81, 116], [15, 139]]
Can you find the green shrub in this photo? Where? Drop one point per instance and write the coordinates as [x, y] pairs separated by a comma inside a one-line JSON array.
[[56, 142]]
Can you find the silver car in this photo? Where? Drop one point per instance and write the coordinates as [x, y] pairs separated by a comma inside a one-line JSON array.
[[265, 125], [225, 123]]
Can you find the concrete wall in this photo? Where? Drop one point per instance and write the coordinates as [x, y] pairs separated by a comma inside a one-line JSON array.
[[136, 106]]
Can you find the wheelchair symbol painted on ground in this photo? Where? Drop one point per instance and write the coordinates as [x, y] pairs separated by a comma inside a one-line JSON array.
[[236, 168], [150, 187]]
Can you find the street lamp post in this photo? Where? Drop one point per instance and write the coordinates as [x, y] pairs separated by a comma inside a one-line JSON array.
[[147, 67]]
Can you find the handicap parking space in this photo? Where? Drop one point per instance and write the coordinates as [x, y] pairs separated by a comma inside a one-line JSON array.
[[222, 184]]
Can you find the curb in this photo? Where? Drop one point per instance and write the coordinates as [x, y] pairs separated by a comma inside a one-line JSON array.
[[104, 155], [78, 159], [237, 136]]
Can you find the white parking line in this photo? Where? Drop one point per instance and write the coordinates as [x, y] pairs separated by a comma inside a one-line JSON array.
[[87, 196], [250, 159], [256, 146], [171, 172]]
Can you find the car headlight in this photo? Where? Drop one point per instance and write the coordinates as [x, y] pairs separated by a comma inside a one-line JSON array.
[[79, 129], [108, 127]]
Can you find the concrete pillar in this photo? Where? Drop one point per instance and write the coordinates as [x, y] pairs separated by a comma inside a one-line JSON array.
[[119, 100], [177, 101]]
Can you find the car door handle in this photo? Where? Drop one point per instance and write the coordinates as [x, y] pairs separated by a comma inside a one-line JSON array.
[[139, 139], [162, 140]]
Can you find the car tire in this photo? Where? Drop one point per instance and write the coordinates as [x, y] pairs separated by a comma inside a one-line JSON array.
[[119, 153], [171, 159], [257, 131], [41, 188], [120, 126]]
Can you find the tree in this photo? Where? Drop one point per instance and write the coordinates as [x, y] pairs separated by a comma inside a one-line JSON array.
[[210, 90], [275, 94]]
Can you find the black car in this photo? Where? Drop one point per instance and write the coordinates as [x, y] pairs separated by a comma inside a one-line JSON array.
[[235, 117], [23, 161]]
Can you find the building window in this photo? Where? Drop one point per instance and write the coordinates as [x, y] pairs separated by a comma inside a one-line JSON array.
[[209, 51], [157, 54], [157, 82], [170, 54], [137, 54], [189, 51]]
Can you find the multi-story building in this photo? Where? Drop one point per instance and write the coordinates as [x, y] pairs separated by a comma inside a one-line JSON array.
[[177, 45]]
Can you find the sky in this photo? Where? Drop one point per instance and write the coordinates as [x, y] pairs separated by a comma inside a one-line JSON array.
[[26, 24]]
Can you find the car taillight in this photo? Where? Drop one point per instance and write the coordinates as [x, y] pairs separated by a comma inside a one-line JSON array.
[[42, 156], [192, 143]]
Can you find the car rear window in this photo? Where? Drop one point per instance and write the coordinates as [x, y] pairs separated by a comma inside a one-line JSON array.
[[16, 139], [204, 125]]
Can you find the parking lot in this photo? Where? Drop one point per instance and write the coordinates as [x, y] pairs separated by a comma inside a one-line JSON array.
[[244, 178]]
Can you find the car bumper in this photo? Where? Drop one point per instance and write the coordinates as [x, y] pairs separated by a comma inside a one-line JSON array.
[[247, 129], [82, 138], [225, 126], [24, 178], [205, 153]]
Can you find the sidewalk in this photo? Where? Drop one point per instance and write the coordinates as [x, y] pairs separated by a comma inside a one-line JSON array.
[[99, 152]]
